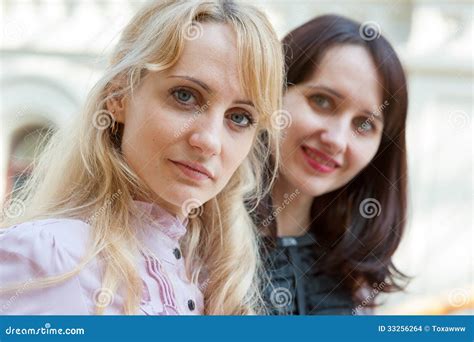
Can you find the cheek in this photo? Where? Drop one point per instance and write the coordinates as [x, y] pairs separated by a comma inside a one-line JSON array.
[[362, 154], [147, 132], [138, 137], [157, 123], [233, 155], [166, 123], [303, 125]]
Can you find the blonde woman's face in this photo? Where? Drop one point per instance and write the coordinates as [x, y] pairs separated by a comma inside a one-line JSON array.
[[188, 129], [337, 122]]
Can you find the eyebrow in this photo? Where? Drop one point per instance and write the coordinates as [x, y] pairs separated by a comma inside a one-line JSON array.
[[209, 90], [243, 102], [194, 80], [329, 90], [340, 96]]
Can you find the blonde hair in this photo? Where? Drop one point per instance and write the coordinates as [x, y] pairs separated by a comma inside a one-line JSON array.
[[82, 168]]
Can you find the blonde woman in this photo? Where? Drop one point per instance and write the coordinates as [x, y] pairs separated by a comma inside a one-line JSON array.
[[138, 208]]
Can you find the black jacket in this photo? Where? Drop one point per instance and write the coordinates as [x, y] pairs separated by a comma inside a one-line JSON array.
[[297, 286]]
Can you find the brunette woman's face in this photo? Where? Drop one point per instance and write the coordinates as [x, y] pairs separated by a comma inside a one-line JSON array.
[[187, 129], [336, 124]]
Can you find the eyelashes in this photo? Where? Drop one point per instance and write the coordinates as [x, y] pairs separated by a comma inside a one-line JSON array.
[[189, 99]]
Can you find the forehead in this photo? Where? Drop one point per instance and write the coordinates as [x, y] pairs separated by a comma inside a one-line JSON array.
[[212, 57], [350, 71]]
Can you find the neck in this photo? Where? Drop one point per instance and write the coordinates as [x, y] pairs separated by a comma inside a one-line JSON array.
[[294, 208], [172, 209]]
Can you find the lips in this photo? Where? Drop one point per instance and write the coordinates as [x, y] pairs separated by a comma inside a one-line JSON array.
[[319, 160], [195, 168]]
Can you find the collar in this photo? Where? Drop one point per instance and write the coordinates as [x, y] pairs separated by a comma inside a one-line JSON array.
[[166, 222], [304, 240]]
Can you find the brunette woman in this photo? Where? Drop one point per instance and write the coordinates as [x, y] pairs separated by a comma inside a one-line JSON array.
[[337, 210]]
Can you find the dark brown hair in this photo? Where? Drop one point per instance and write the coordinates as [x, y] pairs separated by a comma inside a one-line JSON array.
[[359, 242]]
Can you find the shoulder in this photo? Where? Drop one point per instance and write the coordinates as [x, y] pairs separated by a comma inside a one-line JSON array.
[[58, 243], [61, 228], [41, 249]]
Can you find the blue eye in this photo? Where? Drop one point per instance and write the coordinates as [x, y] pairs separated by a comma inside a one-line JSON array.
[[184, 96], [241, 119]]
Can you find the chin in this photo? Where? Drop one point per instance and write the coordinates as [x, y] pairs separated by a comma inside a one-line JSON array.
[[315, 192], [313, 187]]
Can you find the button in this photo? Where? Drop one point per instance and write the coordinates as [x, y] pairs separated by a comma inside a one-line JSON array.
[[191, 305], [177, 253]]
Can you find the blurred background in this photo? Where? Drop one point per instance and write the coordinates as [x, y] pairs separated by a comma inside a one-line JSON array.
[[53, 51]]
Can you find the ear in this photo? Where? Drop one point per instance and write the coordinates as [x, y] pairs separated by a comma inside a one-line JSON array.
[[116, 105]]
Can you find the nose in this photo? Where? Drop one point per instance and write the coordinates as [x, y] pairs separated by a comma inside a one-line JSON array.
[[206, 134], [335, 136]]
